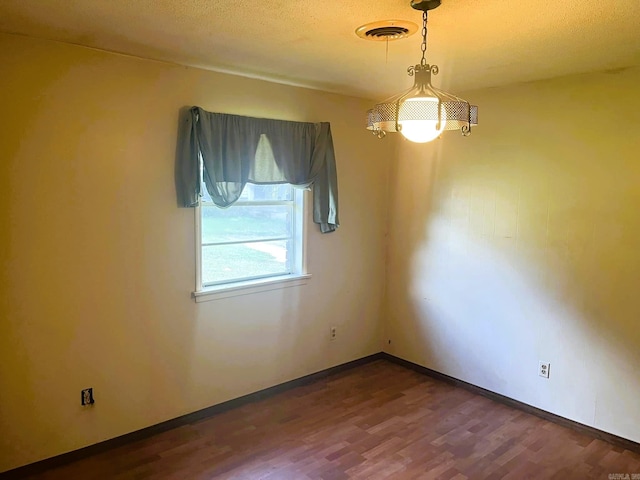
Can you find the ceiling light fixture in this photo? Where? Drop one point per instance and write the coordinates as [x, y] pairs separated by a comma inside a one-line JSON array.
[[423, 112]]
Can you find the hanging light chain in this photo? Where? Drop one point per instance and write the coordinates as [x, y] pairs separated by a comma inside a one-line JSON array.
[[424, 37]]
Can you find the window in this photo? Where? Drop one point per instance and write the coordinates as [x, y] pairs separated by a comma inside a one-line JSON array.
[[257, 239]]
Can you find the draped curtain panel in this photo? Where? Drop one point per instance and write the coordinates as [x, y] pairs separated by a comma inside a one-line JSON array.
[[237, 150]]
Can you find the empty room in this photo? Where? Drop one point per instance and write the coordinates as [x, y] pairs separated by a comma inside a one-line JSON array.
[[319, 240]]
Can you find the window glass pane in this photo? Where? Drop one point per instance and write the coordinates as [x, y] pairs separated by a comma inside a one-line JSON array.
[[253, 193], [244, 223], [205, 194], [233, 262], [243, 237]]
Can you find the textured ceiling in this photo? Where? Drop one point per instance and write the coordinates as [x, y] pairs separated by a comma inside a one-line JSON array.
[[312, 43]]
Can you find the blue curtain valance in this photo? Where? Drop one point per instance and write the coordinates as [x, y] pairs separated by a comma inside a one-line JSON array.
[[237, 150]]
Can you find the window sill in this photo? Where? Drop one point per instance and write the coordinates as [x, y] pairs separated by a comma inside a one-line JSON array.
[[250, 287]]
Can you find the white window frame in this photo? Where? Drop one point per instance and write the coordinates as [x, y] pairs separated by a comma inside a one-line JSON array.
[[298, 276]]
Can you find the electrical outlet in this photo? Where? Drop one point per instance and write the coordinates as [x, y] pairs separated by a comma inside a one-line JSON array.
[[86, 397], [333, 333], [543, 369]]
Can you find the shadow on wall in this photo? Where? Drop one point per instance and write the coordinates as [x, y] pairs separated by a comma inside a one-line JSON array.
[[519, 244]]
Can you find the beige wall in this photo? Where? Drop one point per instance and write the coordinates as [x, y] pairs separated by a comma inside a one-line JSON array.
[[522, 243], [98, 262]]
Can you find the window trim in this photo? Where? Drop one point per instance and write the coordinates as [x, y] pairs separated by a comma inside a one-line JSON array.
[[260, 284], [250, 287]]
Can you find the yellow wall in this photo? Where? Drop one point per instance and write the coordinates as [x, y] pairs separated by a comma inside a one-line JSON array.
[[517, 244], [98, 262], [522, 243]]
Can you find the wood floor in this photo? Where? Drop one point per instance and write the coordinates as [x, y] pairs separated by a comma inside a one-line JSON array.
[[376, 421]]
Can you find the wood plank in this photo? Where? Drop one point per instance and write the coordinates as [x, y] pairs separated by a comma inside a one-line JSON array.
[[379, 420]]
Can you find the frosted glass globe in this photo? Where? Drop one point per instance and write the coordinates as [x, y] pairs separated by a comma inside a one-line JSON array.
[[420, 131]]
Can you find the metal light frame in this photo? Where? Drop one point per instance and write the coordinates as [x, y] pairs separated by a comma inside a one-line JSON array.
[[455, 112]]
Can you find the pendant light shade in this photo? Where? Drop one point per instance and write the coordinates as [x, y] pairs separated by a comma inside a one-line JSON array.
[[423, 112]]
